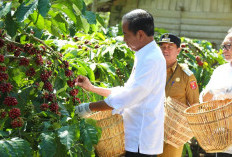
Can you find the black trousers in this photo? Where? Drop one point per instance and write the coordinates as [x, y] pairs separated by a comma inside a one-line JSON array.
[[132, 154]]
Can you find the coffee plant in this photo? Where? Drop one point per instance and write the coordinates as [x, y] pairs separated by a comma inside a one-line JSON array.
[[44, 46], [37, 91], [201, 57], [37, 103]]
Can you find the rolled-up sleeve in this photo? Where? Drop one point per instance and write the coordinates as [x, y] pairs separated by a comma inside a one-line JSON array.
[[133, 93], [211, 85]]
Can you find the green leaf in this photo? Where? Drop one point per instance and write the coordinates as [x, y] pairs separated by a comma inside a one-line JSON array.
[[3, 133], [64, 110], [84, 24], [61, 150], [23, 39], [76, 8], [47, 146], [43, 7], [4, 152], [106, 72], [100, 20], [51, 28], [5, 9], [11, 148], [67, 135], [87, 68], [91, 17], [93, 28], [11, 25], [79, 23], [16, 147], [188, 149], [88, 135], [1, 24], [38, 21], [18, 75], [94, 124], [112, 49], [25, 10], [83, 7], [191, 56], [78, 4], [100, 36], [54, 29], [108, 67], [66, 8], [81, 70], [60, 85], [60, 23], [72, 29], [118, 53], [23, 146], [25, 95], [105, 50]]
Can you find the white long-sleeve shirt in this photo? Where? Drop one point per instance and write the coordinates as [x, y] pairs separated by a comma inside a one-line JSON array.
[[141, 101], [220, 84]]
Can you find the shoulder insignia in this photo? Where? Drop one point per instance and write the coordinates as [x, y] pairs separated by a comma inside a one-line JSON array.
[[186, 69], [193, 85]]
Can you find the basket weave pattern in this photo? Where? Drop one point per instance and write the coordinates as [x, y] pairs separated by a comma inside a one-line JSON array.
[[112, 141], [176, 129], [211, 123]]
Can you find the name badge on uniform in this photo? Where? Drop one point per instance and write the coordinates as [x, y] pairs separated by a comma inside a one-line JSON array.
[[193, 85]]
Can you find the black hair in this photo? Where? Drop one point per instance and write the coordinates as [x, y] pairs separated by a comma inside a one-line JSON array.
[[139, 19]]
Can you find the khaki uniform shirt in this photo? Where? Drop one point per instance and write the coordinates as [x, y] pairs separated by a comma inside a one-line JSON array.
[[183, 85]]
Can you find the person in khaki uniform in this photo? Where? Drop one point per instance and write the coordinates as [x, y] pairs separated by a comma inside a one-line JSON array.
[[181, 84]]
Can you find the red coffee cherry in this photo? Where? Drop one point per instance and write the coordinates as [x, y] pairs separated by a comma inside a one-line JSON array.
[[54, 107], [1, 58], [10, 101], [73, 92], [2, 43], [68, 73], [44, 107], [14, 113], [17, 122]]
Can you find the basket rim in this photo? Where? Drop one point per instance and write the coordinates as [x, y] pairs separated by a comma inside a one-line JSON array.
[[223, 106], [213, 150], [174, 108]]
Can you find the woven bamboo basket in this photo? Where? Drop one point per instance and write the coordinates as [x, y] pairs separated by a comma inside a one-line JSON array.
[[112, 141], [211, 123], [176, 129]]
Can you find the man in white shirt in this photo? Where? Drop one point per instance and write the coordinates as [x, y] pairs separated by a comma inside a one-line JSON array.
[[220, 84], [141, 100]]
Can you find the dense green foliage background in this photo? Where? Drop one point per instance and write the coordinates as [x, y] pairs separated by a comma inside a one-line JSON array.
[[44, 45]]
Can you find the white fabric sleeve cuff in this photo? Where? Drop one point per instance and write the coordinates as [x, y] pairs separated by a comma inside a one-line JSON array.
[[115, 89], [116, 109]]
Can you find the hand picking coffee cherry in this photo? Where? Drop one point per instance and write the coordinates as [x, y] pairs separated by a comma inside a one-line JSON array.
[[80, 80]]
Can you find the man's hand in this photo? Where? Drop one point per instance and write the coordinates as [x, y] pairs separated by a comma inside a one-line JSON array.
[[84, 82], [218, 94], [229, 90], [83, 110], [224, 94]]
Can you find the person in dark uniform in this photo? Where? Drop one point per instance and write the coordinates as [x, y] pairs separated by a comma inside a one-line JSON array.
[[181, 84]]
